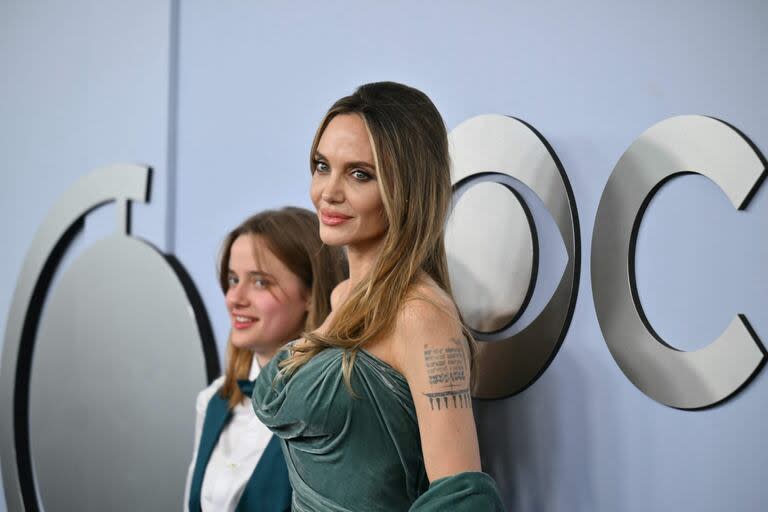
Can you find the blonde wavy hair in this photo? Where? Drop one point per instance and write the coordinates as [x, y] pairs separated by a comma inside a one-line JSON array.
[[291, 234], [410, 149]]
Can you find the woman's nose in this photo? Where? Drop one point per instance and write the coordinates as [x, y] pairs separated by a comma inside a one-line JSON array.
[[333, 191], [236, 295]]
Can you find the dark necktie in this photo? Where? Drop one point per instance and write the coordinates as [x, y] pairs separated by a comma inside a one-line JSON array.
[[246, 386]]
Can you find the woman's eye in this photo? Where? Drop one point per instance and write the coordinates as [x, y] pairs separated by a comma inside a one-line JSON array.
[[260, 283], [361, 175], [231, 281], [321, 166]]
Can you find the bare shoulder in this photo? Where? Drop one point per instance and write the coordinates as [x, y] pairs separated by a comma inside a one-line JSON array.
[[428, 311], [428, 323], [339, 292]]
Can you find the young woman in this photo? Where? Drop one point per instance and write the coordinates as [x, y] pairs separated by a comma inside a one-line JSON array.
[[373, 406], [276, 275]]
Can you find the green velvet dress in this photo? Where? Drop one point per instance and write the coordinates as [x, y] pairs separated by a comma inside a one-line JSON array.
[[360, 453]]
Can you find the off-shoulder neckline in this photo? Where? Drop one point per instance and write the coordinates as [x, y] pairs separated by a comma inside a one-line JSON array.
[[385, 364], [377, 360]]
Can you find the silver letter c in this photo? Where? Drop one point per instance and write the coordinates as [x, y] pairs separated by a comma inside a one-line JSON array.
[[678, 145]]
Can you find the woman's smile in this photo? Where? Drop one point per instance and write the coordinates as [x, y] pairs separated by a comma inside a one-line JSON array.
[[331, 218], [242, 322]]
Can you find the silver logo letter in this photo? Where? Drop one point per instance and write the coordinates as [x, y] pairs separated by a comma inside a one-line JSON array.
[[490, 265], [100, 367], [679, 145]]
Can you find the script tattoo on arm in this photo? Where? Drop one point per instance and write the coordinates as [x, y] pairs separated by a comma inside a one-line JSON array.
[[447, 373]]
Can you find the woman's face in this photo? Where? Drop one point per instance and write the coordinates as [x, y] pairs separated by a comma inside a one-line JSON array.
[[267, 302], [345, 188]]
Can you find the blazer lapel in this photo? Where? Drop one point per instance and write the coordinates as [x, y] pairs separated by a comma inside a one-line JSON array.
[[268, 489], [216, 416]]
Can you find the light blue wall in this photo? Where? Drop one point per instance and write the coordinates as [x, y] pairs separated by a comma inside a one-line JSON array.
[[89, 85], [83, 84]]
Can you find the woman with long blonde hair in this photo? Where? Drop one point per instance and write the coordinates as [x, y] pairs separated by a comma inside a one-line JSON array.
[[373, 406]]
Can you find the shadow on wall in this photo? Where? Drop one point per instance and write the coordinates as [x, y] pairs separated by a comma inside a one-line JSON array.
[[538, 447]]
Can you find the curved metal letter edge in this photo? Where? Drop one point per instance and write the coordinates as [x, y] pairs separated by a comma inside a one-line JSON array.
[[129, 182], [495, 143]]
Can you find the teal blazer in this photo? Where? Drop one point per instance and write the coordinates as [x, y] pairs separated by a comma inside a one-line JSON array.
[[268, 489]]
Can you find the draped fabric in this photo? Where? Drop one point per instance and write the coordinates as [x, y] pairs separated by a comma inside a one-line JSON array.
[[355, 453], [472, 491]]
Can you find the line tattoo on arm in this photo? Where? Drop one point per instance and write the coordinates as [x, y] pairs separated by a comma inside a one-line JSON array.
[[447, 373]]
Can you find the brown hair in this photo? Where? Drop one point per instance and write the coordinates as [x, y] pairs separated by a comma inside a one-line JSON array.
[[291, 234], [410, 148]]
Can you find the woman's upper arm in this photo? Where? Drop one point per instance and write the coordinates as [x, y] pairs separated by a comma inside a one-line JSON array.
[[436, 365]]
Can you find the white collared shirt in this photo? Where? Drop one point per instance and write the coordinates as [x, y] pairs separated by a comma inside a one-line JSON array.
[[238, 450]]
